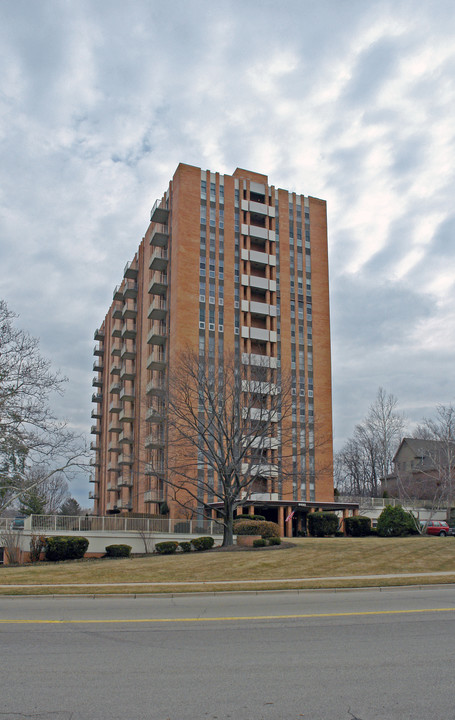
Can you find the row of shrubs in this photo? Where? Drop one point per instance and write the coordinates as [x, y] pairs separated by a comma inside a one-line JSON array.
[[169, 547]]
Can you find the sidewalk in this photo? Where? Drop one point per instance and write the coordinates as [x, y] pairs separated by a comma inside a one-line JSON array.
[[226, 583]]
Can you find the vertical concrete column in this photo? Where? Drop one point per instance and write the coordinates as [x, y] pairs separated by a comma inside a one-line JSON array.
[[281, 520], [289, 523], [239, 510], [342, 524], [355, 512], [251, 510]]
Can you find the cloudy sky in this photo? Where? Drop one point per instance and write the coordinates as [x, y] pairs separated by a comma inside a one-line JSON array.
[[349, 100]]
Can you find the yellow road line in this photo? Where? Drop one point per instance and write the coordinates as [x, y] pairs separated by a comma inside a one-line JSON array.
[[222, 619]]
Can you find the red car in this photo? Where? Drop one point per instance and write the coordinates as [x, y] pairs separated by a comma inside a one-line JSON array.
[[437, 527]]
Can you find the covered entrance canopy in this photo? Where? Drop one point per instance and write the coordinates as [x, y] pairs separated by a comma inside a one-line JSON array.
[[290, 515]]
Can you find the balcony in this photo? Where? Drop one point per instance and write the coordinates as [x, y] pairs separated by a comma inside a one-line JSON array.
[[130, 289], [97, 382], [95, 430], [159, 214], [115, 370], [157, 336], [115, 407], [154, 469], [263, 469], [94, 445], [127, 394], [93, 496], [128, 331], [126, 415], [94, 462], [259, 360], [113, 446], [98, 334], [127, 373], [115, 387], [98, 350], [153, 496], [155, 387], [159, 260], [128, 351], [158, 284], [125, 480], [115, 426], [96, 413], [125, 459], [111, 487], [94, 480], [116, 349], [155, 441], [157, 360], [113, 466], [126, 436], [97, 398], [130, 272], [117, 311], [98, 366], [155, 414], [117, 294], [124, 504], [157, 309], [129, 311], [116, 330]]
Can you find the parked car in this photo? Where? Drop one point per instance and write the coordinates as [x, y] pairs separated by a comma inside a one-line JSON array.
[[437, 527]]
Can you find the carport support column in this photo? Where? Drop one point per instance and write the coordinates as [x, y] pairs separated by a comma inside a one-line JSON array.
[[281, 520], [289, 522], [343, 524], [251, 510]]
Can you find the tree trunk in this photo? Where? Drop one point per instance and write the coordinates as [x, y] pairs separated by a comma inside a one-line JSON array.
[[228, 530]]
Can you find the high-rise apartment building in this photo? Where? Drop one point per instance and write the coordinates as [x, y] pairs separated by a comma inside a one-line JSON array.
[[228, 265]]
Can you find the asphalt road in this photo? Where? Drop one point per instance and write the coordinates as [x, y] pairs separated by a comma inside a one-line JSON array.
[[341, 655]]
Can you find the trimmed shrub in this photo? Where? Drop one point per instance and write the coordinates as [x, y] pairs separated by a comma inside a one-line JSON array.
[[118, 551], [37, 545], [275, 541], [260, 542], [249, 517], [166, 548], [65, 548], [394, 521], [202, 543], [264, 528], [358, 526], [186, 546], [321, 524]]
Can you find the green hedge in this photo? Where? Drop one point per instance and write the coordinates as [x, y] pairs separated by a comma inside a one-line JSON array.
[[65, 548], [394, 521], [118, 551], [357, 526], [321, 524], [260, 542], [249, 517], [256, 527], [275, 541], [166, 548], [202, 543], [186, 546]]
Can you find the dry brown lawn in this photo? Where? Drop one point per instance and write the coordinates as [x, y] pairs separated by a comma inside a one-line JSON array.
[[309, 557]]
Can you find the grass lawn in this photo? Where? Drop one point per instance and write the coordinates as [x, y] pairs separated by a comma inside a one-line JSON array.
[[309, 557]]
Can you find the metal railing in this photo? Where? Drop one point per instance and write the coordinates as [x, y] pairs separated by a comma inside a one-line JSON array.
[[372, 502], [115, 523]]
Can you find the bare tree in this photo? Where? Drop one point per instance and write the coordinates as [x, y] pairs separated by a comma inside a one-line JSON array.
[[225, 425], [30, 434], [367, 456]]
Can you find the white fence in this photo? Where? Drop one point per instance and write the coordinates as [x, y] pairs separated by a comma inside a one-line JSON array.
[[372, 502], [114, 523]]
